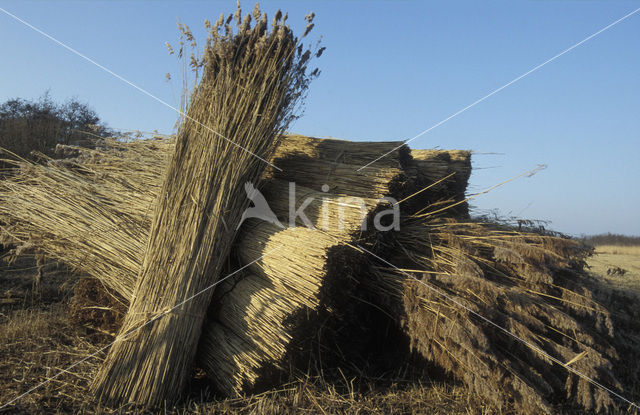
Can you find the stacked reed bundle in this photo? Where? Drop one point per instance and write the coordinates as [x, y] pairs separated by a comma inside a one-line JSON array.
[[301, 268], [313, 162], [252, 81], [77, 216], [262, 319], [129, 174], [530, 284]]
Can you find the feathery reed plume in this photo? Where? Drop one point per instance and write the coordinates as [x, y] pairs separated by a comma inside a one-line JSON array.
[[252, 80]]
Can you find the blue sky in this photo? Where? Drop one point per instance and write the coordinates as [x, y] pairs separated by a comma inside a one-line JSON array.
[[391, 70]]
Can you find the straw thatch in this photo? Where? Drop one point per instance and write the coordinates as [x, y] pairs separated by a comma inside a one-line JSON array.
[[252, 81], [452, 272]]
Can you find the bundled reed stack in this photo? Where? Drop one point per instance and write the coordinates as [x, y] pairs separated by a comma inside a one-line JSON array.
[[531, 284], [252, 80], [310, 162], [301, 268], [262, 320], [451, 272], [74, 187]]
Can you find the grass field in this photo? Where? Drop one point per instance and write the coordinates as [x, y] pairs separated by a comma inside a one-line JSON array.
[[39, 336], [608, 258]]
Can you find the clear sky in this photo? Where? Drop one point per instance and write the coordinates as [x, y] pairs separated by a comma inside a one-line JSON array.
[[391, 70]]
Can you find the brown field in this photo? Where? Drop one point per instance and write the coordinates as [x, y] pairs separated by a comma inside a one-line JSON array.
[[609, 257], [39, 336]]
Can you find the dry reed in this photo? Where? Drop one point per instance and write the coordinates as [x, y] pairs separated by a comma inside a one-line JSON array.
[[530, 284], [252, 80], [129, 170]]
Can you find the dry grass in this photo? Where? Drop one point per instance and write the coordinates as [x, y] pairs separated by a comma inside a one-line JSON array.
[[618, 250], [608, 260]]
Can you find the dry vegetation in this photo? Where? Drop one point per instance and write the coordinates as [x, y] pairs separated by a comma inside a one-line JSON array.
[[503, 274], [619, 265]]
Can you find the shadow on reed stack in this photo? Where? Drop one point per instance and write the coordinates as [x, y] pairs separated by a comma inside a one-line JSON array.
[[253, 77]]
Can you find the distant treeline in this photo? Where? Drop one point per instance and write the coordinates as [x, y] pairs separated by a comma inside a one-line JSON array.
[[611, 239], [38, 126]]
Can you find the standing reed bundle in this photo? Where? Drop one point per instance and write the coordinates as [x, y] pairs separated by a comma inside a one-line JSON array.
[[252, 80], [530, 284]]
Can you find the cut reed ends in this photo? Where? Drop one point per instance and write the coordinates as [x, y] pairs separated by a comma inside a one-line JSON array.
[[251, 83], [264, 315]]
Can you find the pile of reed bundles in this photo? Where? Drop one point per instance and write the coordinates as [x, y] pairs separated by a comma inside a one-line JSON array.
[[92, 212], [87, 227]]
